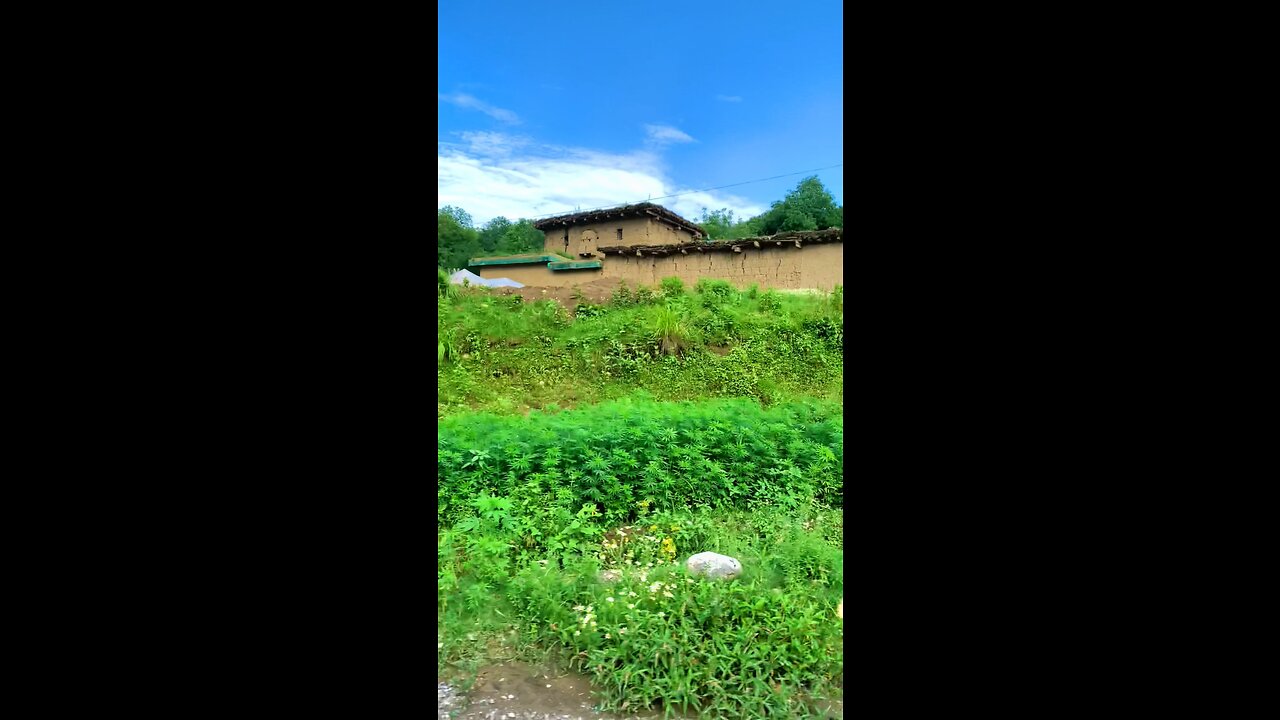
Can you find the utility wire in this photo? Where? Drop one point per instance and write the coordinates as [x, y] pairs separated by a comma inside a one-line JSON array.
[[688, 192]]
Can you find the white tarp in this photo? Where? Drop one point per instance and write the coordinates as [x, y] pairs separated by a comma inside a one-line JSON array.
[[475, 279]]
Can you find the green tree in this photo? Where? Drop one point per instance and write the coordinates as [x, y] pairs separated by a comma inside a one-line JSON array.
[[808, 207], [491, 234], [716, 224], [456, 243], [521, 237], [460, 216]]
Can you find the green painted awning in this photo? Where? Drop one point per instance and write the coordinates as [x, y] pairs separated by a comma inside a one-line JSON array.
[[574, 265], [513, 260]]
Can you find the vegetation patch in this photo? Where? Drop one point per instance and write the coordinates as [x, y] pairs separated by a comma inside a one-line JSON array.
[[504, 354]]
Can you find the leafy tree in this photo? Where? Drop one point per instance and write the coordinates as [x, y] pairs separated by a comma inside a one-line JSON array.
[[456, 243], [716, 224], [491, 234], [721, 225], [808, 207], [521, 237], [460, 216]]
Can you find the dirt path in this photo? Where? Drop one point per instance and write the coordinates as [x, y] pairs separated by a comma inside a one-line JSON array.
[[518, 691]]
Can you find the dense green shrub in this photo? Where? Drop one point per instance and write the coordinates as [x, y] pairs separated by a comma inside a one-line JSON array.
[[714, 292], [672, 286], [719, 454], [770, 301]]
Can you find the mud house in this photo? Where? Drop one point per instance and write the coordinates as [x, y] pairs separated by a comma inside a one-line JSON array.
[[645, 243]]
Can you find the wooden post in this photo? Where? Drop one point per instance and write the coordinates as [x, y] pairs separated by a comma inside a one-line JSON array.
[[638, 253], [797, 243], [756, 243], [683, 251]]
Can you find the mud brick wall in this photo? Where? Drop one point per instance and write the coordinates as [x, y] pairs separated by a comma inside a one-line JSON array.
[[786, 267], [635, 231], [538, 275]]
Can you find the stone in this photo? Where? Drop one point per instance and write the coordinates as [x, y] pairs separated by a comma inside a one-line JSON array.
[[713, 565]]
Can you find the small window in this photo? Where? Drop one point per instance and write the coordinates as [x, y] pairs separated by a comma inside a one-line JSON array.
[[619, 234]]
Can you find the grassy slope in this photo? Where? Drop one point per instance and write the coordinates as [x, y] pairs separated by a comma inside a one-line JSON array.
[[504, 356], [750, 467]]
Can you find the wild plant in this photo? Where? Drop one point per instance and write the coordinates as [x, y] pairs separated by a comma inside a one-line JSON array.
[[672, 287]]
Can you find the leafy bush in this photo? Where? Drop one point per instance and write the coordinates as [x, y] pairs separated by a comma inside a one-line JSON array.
[[645, 295], [714, 292], [672, 287], [675, 454], [622, 296], [770, 302]]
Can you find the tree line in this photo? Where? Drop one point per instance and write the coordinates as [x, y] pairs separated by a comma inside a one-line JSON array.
[[807, 207]]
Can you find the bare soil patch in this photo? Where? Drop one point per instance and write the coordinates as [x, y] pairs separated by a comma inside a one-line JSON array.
[[596, 292], [526, 692]]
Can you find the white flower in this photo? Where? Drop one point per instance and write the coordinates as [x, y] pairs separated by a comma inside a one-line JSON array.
[[577, 633], [606, 637], [622, 631], [608, 599], [632, 606], [667, 594], [661, 614], [578, 608]]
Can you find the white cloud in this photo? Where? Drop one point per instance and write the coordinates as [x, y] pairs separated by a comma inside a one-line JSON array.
[[469, 101], [490, 174], [665, 134], [729, 98]]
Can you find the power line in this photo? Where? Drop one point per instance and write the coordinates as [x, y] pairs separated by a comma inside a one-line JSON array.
[[690, 192]]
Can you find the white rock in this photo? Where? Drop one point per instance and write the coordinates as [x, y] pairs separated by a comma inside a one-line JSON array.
[[713, 565]]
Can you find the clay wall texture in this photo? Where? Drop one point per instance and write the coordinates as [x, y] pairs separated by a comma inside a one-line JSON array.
[[787, 267], [537, 275], [635, 231]]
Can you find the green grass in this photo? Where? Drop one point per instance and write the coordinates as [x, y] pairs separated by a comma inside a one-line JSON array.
[[765, 644], [703, 419], [513, 356]]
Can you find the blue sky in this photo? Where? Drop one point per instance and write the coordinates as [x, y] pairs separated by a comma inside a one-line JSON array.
[[548, 106]]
